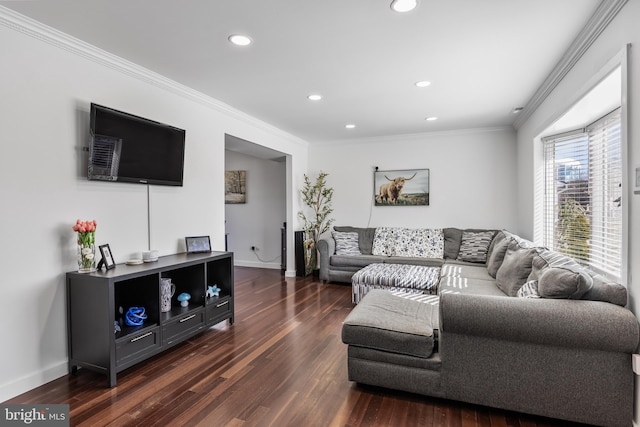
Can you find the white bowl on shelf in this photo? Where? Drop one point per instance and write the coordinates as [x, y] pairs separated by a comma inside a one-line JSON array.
[[150, 256]]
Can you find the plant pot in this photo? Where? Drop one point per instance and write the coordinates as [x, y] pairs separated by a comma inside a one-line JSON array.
[[310, 256]]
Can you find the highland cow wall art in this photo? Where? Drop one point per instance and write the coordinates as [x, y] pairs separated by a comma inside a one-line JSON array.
[[409, 187]]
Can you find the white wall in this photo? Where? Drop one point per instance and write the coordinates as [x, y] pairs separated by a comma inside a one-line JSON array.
[[47, 82], [472, 174], [622, 30], [257, 222]]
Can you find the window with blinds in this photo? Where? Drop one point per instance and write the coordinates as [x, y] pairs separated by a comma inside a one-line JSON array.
[[583, 195]]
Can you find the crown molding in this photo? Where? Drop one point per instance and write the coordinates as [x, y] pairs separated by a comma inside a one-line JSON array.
[[30, 27], [604, 14], [407, 137]]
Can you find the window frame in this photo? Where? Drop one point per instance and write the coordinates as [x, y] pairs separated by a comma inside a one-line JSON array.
[[619, 60], [587, 145]]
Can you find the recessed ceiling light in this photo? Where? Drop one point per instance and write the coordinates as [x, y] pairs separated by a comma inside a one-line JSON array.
[[404, 5], [431, 119], [240, 39], [350, 126], [423, 83], [314, 97]]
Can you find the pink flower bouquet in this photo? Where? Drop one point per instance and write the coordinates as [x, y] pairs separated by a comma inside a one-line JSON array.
[[86, 244]]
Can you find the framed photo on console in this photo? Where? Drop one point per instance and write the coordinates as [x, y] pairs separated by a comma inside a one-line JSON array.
[[198, 244], [107, 257]]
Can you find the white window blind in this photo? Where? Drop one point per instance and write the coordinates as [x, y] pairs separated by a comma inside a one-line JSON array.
[[582, 198]]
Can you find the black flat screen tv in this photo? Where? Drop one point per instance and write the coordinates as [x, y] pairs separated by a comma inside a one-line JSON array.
[[128, 148]]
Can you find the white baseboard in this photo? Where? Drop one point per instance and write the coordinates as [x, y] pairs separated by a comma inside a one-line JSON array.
[[29, 382], [269, 265], [256, 264]]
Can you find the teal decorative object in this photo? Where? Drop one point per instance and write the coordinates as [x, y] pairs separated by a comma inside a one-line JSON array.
[[213, 291], [184, 299]]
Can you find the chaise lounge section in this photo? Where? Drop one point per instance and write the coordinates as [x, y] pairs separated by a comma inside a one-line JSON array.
[[527, 330]]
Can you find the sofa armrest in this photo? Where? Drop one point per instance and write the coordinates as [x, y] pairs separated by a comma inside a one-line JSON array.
[[326, 248], [564, 323]]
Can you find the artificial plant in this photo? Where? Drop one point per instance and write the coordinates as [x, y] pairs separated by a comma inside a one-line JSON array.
[[317, 197]]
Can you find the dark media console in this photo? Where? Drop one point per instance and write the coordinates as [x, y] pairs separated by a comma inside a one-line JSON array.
[[96, 302]]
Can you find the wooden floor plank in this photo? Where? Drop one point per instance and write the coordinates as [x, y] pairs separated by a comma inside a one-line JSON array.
[[281, 363]]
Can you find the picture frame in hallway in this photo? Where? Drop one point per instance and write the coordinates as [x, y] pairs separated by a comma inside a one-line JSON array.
[[405, 187], [235, 187]]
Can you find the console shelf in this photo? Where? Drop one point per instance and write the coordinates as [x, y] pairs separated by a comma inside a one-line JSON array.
[[97, 302]]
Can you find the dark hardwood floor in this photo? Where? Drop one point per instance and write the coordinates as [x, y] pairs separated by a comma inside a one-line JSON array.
[[282, 363]]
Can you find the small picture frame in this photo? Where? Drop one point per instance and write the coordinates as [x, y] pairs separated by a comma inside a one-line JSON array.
[[198, 244], [107, 257]]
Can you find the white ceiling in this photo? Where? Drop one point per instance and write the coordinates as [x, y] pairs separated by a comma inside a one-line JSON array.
[[483, 57]]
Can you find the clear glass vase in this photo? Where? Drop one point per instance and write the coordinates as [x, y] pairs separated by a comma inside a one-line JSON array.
[[86, 252]]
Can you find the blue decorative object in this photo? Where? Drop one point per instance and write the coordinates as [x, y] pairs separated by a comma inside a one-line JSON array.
[[213, 291], [135, 316], [184, 299]]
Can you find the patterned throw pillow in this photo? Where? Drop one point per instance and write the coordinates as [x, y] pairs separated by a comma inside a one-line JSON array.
[[420, 243], [346, 243], [475, 245], [529, 290], [384, 241]]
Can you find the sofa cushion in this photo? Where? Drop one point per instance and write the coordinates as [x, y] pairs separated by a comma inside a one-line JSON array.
[[386, 322], [606, 290], [468, 286], [365, 237], [470, 271], [515, 268], [564, 282], [497, 251], [346, 243], [546, 259], [522, 242], [474, 246], [429, 262], [452, 238], [603, 289], [529, 290], [420, 243], [353, 260]]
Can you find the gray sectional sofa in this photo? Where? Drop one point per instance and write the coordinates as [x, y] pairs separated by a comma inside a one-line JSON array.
[[338, 267], [526, 329]]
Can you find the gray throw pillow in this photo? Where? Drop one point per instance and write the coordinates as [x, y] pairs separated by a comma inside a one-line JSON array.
[[564, 282], [474, 246], [365, 237], [452, 238], [346, 243], [606, 290], [497, 251], [515, 268]]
